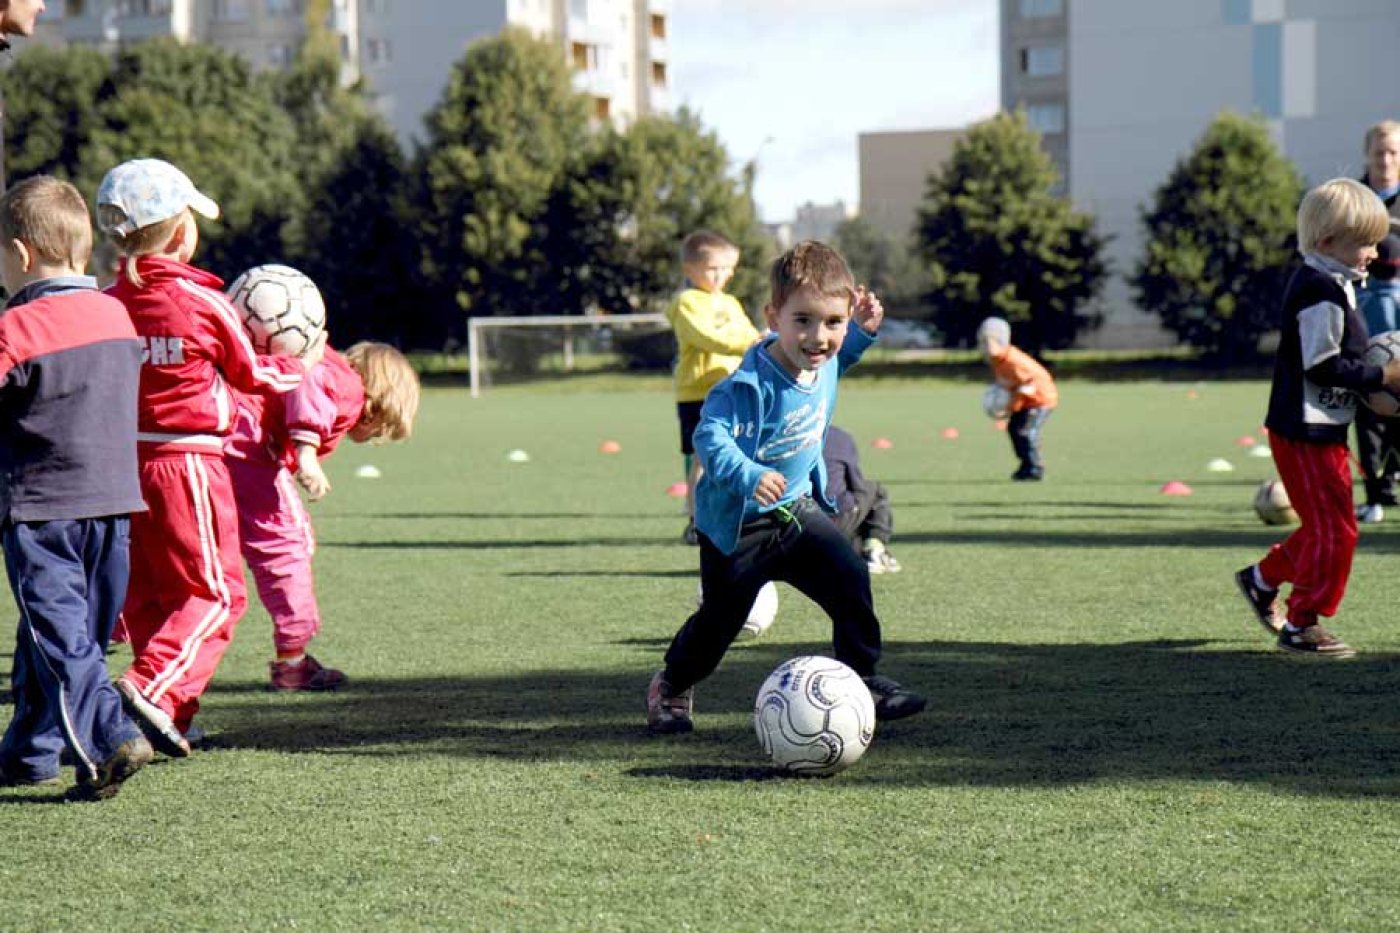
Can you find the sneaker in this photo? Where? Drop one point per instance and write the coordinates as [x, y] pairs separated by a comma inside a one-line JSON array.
[[1315, 640], [891, 700], [668, 713], [1370, 514], [131, 756], [11, 779], [762, 613], [1263, 602], [690, 535], [880, 560], [1028, 476], [153, 722], [308, 675]]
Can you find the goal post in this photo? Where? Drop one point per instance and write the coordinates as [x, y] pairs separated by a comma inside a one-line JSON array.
[[559, 335]]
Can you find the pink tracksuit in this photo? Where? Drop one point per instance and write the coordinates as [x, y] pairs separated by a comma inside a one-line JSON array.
[[274, 527]]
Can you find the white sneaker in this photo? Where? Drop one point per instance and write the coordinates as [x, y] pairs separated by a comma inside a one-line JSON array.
[[761, 614], [878, 559], [1370, 514]]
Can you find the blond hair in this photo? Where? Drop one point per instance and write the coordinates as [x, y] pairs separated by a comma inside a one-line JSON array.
[[50, 217], [1343, 210], [814, 266], [391, 388], [143, 241], [1377, 130]]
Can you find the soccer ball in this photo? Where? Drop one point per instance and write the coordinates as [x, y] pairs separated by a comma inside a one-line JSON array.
[[282, 309], [1381, 350], [814, 715], [1271, 504], [996, 400]]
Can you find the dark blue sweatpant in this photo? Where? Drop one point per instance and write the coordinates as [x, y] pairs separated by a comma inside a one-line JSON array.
[[69, 580]]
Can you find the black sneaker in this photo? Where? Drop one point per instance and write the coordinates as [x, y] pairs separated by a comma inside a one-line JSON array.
[[668, 713], [891, 700], [1317, 641], [1263, 602], [131, 756], [1031, 475], [689, 535]]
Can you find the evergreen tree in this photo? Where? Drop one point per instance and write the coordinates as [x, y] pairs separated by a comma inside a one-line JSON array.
[[1218, 242], [884, 264], [52, 107], [997, 241]]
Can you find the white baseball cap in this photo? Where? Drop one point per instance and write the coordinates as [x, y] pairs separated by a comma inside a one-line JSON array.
[[142, 192]]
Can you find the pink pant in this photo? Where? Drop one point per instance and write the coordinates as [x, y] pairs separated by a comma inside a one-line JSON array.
[[278, 542], [186, 592], [1316, 558]]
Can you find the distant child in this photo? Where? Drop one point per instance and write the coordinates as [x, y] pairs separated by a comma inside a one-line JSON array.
[[187, 589], [1033, 394], [760, 439], [712, 333], [69, 361], [369, 394], [1318, 372], [1377, 438], [863, 510]]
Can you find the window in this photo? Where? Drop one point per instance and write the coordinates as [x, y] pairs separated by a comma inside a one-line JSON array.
[[1046, 119], [578, 9], [583, 56], [1041, 9], [283, 7], [658, 74], [378, 51], [658, 25], [1043, 61], [279, 55], [602, 108], [230, 11], [143, 8]]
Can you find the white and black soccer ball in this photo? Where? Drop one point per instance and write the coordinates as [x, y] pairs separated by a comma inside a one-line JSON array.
[[1381, 349], [282, 309], [814, 715], [1271, 504], [996, 401]]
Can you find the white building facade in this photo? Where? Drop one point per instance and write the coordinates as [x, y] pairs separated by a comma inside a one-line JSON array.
[[1122, 90]]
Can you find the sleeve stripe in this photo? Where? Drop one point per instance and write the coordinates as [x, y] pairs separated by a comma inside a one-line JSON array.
[[221, 306]]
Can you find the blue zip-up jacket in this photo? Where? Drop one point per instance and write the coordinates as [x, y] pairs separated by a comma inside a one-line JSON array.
[[727, 438]]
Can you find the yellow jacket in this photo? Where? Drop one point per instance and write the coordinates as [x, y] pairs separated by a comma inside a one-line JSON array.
[[712, 332]]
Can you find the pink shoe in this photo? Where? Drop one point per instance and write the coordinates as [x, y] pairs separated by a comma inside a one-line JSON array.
[[308, 675]]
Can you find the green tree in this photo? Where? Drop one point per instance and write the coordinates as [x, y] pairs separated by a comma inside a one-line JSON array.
[[52, 107], [885, 264], [997, 241], [508, 129], [1218, 240]]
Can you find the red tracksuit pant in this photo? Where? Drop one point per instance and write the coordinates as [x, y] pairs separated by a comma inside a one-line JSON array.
[[1316, 558], [186, 591]]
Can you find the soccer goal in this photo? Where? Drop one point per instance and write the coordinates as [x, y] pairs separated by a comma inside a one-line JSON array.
[[521, 348]]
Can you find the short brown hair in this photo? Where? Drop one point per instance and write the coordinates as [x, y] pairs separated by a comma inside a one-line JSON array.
[[391, 388], [702, 243], [50, 217], [811, 265]]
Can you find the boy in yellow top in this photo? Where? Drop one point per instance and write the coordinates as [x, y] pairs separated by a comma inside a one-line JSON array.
[[1033, 394], [712, 333]]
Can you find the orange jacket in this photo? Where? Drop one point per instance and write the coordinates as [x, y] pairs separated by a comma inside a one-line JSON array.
[[1031, 386]]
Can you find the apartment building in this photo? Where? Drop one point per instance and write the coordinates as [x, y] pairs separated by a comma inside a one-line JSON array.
[[894, 171], [1122, 89], [404, 49]]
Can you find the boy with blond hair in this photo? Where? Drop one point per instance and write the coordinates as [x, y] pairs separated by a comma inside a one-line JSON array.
[[369, 394], [187, 591], [69, 363], [1318, 372], [761, 506]]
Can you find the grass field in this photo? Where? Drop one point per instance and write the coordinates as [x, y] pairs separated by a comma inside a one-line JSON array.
[[1112, 742]]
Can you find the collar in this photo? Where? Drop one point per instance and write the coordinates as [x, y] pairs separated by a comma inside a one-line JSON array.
[[1331, 268], [54, 286]]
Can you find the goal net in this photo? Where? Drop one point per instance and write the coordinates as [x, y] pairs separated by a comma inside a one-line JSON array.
[[518, 349]]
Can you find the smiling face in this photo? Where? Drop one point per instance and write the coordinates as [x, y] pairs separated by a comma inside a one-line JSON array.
[[1355, 256], [811, 328]]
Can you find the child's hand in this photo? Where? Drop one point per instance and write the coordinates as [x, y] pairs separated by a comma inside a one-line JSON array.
[[770, 488], [309, 474], [866, 310]]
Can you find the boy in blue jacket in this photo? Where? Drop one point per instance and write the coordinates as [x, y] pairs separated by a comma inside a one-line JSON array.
[[761, 506]]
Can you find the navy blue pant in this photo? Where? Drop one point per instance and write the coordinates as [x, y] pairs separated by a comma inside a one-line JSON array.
[[812, 554], [69, 580], [1024, 427]]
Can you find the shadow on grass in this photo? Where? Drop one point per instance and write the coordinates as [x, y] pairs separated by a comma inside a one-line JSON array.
[[1000, 715], [1192, 538]]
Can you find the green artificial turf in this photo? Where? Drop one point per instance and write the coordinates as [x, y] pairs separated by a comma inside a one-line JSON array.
[[1111, 743]]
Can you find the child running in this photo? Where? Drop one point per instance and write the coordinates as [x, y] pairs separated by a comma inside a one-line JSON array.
[[1318, 372], [756, 507], [186, 592], [370, 394]]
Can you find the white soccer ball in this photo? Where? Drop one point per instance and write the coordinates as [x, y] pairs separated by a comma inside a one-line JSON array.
[[996, 401], [814, 715], [1271, 504], [1381, 349], [282, 309]]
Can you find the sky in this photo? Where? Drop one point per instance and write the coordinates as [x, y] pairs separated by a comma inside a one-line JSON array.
[[792, 83]]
